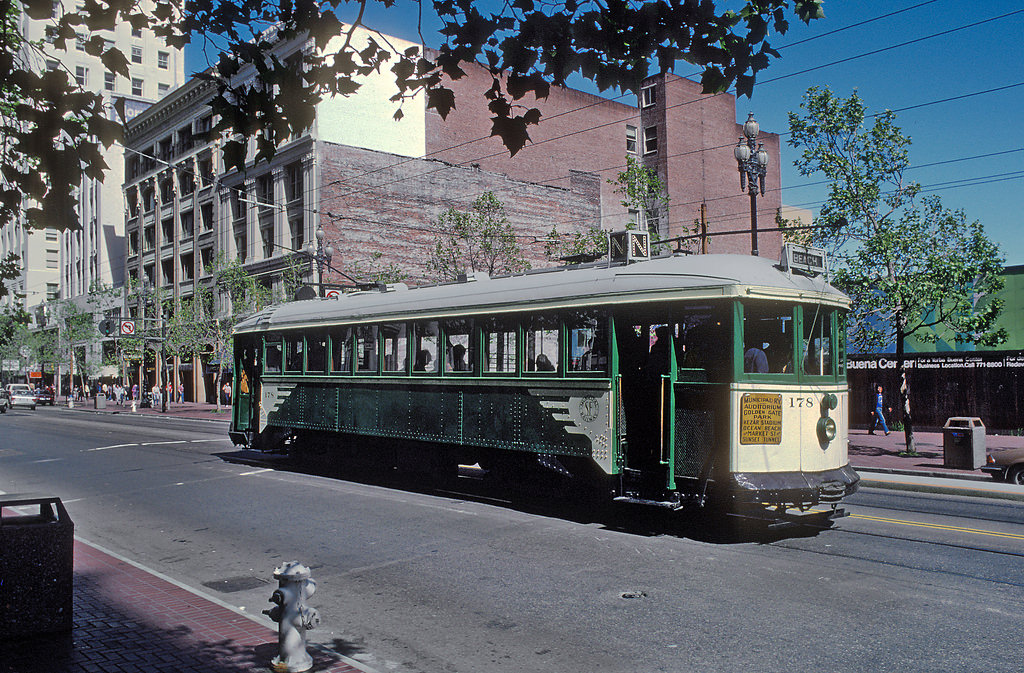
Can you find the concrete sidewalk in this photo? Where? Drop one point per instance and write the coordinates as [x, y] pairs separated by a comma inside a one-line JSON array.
[[193, 410], [128, 619]]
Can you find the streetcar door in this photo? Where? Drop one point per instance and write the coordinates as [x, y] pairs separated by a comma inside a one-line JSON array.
[[245, 368], [645, 365]]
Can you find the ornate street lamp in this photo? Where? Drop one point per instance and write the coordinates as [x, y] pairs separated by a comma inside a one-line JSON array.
[[752, 164], [151, 300], [321, 254]]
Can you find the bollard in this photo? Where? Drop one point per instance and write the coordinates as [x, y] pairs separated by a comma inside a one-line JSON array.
[[293, 617]]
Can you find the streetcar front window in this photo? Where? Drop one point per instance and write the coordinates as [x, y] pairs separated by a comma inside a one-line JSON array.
[[768, 338], [816, 345], [699, 332]]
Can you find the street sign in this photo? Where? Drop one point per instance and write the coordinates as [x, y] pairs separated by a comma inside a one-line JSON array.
[[127, 327], [333, 294]]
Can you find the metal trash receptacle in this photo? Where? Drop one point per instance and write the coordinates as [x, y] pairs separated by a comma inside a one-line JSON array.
[[101, 401], [963, 443], [36, 565]]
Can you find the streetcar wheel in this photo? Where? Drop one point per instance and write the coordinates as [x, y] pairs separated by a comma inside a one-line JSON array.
[[1016, 475]]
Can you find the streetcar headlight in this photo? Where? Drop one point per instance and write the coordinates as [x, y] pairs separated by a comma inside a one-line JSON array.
[[826, 429], [830, 401]]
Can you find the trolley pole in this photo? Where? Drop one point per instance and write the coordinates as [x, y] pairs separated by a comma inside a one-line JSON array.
[[752, 164]]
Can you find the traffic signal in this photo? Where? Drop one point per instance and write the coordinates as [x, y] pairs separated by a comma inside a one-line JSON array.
[[109, 327]]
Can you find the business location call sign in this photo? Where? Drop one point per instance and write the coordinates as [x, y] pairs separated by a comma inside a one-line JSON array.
[[760, 418]]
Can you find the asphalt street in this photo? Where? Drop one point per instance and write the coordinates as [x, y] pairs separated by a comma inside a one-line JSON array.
[[412, 578]]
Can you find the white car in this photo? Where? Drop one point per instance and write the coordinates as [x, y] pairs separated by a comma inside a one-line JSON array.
[[21, 395]]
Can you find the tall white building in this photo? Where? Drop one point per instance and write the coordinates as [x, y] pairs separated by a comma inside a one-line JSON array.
[[66, 264]]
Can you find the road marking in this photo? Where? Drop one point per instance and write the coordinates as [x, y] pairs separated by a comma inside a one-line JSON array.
[[246, 474], [115, 446], [219, 439], [935, 526], [47, 460], [180, 441]]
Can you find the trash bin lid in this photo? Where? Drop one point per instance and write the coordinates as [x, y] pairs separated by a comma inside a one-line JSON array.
[[18, 499], [963, 422]]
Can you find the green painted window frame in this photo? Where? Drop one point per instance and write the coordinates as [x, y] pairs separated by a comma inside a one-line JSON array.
[[275, 339], [334, 332]]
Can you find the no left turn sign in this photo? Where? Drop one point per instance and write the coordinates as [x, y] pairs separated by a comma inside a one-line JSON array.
[[127, 327]]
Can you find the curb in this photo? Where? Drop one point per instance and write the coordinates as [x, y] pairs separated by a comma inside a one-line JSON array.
[[129, 414], [925, 482]]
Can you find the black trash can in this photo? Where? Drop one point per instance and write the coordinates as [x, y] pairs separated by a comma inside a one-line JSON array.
[[963, 443], [36, 565]]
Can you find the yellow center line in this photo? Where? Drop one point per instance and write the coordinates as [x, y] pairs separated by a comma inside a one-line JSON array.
[[935, 526]]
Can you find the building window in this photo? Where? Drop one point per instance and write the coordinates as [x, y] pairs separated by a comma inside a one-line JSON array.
[[188, 224], [149, 237], [206, 213], [133, 242], [648, 96], [167, 229], [654, 221], [136, 54], [52, 259], [52, 236], [187, 267], [650, 139], [108, 80], [631, 139], [136, 32], [52, 65], [167, 270], [206, 259], [136, 86], [297, 232], [162, 89], [80, 42], [52, 290], [293, 182], [81, 75], [161, 59]]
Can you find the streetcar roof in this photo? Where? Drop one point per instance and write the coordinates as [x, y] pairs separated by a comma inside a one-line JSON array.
[[658, 279]]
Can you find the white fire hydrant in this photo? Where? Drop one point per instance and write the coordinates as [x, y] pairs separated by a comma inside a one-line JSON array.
[[293, 617]]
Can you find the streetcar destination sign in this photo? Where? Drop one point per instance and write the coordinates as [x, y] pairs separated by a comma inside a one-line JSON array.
[[760, 418]]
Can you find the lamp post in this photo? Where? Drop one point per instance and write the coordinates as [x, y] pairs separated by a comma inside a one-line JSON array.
[[753, 165], [321, 254]]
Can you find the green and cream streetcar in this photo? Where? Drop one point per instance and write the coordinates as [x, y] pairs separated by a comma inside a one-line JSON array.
[[675, 381]]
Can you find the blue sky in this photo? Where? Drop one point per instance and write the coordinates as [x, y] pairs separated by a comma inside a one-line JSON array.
[[928, 53]]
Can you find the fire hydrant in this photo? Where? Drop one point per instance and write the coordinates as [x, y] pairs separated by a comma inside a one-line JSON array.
[[293, 617]]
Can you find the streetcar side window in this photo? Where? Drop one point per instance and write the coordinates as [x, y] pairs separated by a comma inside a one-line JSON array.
[[395, 348], [500, 346], [424, 347], [768, 338], [460, 355], [272, 359], [316, 354], [588, 341], [816, 344], [366, 349], [341, 351], [542, 350], [293, 354]]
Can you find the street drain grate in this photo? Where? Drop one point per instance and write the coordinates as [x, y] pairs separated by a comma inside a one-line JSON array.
[[631, 595], [233, 584]]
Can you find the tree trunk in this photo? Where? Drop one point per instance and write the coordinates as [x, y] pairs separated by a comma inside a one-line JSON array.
[[908, 421]]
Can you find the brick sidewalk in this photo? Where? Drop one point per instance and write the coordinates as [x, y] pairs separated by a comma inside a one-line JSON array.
[[128, 620]]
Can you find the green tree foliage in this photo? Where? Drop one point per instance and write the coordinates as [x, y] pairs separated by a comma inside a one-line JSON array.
[[57, 130], [588, 243], [481, 239], [642, 190], [911, 266], [10, 269], [203, 324]]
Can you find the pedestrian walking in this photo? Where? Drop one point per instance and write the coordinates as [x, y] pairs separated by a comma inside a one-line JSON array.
[[878, 415], [135, 391], [181, 393]]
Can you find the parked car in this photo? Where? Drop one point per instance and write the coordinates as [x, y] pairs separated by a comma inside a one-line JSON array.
[[1007, 464], [5, 401], [21, 395], [44, 396]]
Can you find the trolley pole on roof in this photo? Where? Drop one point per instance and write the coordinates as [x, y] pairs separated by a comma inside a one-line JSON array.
[[321, 254], [753, 165]]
